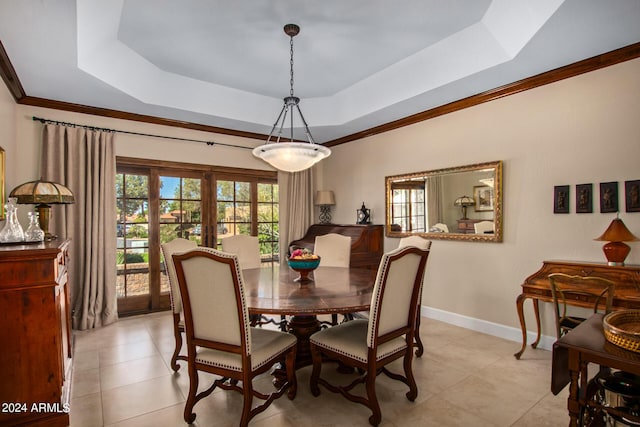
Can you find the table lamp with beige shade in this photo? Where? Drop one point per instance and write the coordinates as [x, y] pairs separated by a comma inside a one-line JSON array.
[[325, 199], [43, 194]]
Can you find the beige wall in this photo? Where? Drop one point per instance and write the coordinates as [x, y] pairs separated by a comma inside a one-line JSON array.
[[8, 136], [25, 135], [582, 130]]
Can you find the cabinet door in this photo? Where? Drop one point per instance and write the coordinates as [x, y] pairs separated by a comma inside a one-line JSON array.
[[31, 361]]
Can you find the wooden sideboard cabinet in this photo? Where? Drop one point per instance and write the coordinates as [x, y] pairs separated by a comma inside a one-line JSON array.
[[366, 242], [465, 226], [35, 332]]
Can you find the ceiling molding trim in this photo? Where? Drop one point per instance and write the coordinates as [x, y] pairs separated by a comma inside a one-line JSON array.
[[591, 64], [9, 75], [116, 114]]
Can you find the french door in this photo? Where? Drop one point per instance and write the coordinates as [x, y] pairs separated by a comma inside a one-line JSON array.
[[159, 201]]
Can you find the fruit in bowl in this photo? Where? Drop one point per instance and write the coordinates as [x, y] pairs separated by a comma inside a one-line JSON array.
[[303, 261]]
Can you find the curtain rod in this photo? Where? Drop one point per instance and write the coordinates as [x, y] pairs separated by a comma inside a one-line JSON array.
[[211, 143]]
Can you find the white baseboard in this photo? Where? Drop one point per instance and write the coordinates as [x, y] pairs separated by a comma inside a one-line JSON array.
[[479, 325]]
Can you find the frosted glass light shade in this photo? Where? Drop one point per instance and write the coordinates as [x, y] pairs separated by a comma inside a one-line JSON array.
[[291, 156]]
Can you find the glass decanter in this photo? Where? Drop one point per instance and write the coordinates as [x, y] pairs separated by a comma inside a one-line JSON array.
[[34, 233], [12, 231]]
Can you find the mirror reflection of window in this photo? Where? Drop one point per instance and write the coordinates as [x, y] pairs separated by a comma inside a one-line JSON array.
[[408, 207]]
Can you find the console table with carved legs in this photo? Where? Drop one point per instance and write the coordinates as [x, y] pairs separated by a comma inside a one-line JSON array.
[[537, 288]]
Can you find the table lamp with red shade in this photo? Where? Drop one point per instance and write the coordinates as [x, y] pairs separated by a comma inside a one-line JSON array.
[[616, 234]]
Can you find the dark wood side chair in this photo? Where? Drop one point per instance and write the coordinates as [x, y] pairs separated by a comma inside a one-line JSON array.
[[424, 244], [388, 334], [168, 249], [583, 291], [220, 340]]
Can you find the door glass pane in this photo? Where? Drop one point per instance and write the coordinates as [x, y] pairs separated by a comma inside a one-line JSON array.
[[132, 229], [179, 208], [180, 214], [242, 212], [233, 209], [243, 191], [268, 216], [225, 190]]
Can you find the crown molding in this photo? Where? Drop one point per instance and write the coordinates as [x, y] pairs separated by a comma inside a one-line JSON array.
[[9, 75], [117, 114], [587, 65]]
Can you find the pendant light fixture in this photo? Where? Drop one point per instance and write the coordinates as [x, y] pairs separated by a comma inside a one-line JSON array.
[[290, 156]]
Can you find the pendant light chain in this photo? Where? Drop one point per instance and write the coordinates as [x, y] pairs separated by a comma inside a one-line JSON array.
[[291, 64], [290, 156]]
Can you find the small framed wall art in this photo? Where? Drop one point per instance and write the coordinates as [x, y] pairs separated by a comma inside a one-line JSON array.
[[483, 196], [561, 199], [608, 197], [584, 198], [632, 195]]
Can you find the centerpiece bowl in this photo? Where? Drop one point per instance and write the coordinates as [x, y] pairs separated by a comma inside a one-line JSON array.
[[304, 266]]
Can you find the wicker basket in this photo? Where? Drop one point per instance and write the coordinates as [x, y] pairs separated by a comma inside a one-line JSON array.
[[622, 328]]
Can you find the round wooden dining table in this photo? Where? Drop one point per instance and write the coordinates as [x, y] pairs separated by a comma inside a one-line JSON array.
[[274, 290]]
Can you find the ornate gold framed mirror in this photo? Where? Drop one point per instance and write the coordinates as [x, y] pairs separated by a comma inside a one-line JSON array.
[[458, 203]]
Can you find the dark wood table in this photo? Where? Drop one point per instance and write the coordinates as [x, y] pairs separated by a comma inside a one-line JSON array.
[[273, 290], [571, 356]]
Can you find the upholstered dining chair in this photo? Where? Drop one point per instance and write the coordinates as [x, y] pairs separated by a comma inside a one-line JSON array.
[[483, 227], [333, 249], [442, 228], [388, 334], [220, 340], [424, 244], [246, 247], [168, 249], [568, 291]]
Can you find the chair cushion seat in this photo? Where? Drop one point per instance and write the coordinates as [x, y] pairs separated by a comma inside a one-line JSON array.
[[266, 345], [350, 339]]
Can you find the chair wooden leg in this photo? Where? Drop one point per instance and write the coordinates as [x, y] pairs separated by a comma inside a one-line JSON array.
[[247, 393], [418, 340], [189, 415], [177, 333], [408, 373], [316, 358], [291, 374], [376, 417]]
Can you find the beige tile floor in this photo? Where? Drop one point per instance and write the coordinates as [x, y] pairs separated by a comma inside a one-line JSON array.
[[122, 378]]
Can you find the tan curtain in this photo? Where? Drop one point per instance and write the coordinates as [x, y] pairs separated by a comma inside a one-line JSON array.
[[296, 206], [434, 201], [84, 160]]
